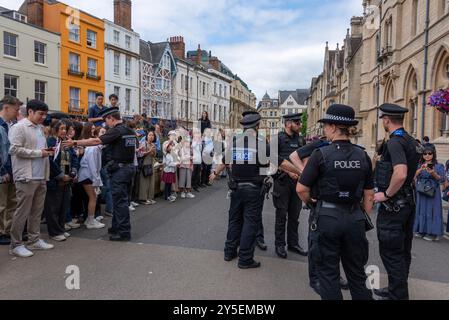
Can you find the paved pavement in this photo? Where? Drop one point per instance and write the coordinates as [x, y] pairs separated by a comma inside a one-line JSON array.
[[177, 253]]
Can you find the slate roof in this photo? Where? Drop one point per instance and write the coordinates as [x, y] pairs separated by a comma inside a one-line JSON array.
[[300, 96], [152, 52]]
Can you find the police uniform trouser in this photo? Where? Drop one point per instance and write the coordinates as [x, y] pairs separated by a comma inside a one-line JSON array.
[[245, 218], [120, 182], [340, 235], [395, 234], [313, 276], [288, 207]]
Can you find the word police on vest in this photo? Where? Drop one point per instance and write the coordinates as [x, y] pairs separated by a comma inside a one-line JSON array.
[[347, 165]]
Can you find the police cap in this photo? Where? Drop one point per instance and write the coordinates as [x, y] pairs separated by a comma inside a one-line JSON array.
[[293, 117], [340, 114], [246, 113], [250, 120], [108, 111], [389, 109]]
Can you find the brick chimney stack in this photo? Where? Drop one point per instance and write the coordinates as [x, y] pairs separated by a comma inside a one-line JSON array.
[[178, 47], [214, 62], [122, 13], [199, 55], [35, 12]]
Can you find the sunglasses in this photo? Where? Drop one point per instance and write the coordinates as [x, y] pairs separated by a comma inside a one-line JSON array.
[[428, 154]]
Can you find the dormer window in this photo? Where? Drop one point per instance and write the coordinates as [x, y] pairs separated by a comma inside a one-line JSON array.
[[20, 17]]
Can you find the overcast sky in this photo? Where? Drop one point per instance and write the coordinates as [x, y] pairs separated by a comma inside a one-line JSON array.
[[271, 44]]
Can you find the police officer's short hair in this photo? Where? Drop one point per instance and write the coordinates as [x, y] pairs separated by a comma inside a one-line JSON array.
[[99, 94], [113, 96], [396, 119]]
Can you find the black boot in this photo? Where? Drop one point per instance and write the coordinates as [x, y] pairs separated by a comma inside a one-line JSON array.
[[280, 251]]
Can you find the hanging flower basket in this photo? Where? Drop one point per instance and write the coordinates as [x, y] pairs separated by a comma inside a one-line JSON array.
[[440, 100]]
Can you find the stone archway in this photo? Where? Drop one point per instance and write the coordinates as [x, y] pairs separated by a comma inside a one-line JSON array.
[[411, 94], [389, 96], [440, 80]]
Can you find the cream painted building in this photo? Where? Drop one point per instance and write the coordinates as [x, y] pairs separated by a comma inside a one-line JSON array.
[[29, 60], [403, 60], [242, 99], [291, 102], [271, 115], [122, 71], [220, 99]]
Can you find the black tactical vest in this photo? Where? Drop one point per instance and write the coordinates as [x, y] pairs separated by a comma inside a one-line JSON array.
[[123, 149], [342, 161], [384, 167], [245, 160]]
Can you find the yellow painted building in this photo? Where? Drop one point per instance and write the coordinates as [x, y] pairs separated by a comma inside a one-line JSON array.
[[82, 51]]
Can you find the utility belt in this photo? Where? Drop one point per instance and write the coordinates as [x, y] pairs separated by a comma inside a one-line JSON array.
[[280, 175], [264, 186], [348, 208], [405, 197], [113, 166]]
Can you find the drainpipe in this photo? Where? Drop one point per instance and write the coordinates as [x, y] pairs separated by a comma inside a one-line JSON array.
[[188, 105], [426, 66], [378, 75]]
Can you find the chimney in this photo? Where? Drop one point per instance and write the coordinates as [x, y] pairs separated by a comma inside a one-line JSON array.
[[178, 47], [356, 26], [35, 12], [122, 13], [199, 55]]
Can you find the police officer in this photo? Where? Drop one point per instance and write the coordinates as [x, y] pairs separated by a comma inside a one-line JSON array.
[[394, 176], [300, 158], [260, 237], [342, 173], [122, 142], [247, 197], [285, 199]]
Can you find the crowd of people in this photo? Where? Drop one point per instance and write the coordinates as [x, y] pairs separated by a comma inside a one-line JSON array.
[[44, 181]]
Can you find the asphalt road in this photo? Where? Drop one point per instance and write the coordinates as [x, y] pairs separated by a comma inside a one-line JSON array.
[[177, 253]]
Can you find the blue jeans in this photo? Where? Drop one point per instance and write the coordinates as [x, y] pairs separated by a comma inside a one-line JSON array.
[[120, 182], [106, 191]]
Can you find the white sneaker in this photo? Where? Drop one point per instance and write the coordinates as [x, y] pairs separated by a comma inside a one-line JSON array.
[[429, 238], [190, 195], [134, 204], [153, 202], [59, 238], [174, 195], [95, 224], [446, 236], [67, 235], [131, 208], [40, 245], [99, 218], [21, 252], [183, 195], [74, 224], [67, 227], [171, 199]]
